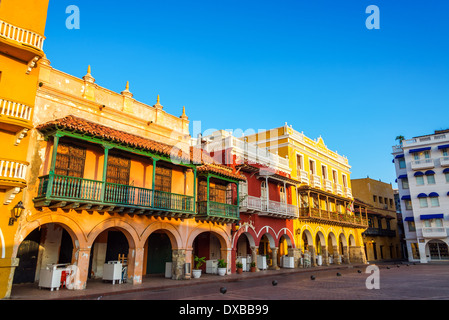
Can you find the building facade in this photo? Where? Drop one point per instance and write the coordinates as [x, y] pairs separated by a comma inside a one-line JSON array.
[[22, 28], [330, 224], [382, 238], [422, 168], [265, 233]]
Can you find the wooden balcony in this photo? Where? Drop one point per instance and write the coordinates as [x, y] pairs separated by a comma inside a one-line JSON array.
[[330, 217], [57, 191], [274, 208], [218, 212], [380, 232]]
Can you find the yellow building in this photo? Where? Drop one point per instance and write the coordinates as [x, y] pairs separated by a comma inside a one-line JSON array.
[[381, 239], [330, 224], [22, 26]]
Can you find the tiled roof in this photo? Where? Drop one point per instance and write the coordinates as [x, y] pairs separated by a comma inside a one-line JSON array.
[[195, 156]]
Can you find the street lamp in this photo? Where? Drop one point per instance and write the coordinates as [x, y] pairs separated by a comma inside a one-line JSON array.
[[17, 212]]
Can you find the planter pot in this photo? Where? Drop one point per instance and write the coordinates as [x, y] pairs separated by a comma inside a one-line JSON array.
[[239, 270], [252, 269], [196, 273], [221, 271]]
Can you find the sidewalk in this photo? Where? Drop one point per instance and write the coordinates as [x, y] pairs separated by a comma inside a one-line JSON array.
[[97, 288]]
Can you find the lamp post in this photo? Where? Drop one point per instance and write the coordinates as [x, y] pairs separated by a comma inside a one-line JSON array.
[[17, 212]]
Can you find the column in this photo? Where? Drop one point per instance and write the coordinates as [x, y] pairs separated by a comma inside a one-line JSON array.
[[336, 255], [77, 279], [254, 256], [178, 263], [105, 170], [135, 264], [274, 258]]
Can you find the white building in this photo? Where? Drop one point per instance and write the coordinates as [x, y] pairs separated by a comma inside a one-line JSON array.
[[422, 169]]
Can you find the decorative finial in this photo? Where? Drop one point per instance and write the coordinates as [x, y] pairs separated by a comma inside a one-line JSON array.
[[184, 116], [127, 85], [158, 103], [126, 92], [88, 77]]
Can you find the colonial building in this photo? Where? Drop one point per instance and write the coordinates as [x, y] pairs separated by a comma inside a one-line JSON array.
[[422, 168], [381, 239], [111, 178], [330, 225], [22, 26], [265, 234]]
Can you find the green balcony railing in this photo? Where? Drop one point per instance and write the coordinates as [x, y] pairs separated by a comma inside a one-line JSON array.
[[85, 190], [218, 210]]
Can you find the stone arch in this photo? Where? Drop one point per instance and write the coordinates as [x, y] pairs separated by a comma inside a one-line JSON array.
[[221, 234], [128, 230], [70, 225], [171, 231]]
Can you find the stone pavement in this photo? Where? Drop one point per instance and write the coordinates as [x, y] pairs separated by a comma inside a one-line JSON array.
[[97, 288]]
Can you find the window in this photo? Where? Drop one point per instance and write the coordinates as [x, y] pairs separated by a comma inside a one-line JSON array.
[[163, 179], [345, 180], [434, 202], [70, 160], [408, 204], [335, 176], [312, 167], [431, 179], [411, 226], [118, 170], [380, 200], [438, 223], [405, 183], [421, 155], [282, 194], [423, 202], [299, 163], [447, 176], [375, 198], [420, 180], [402, 163], [427, 223], [324, 171], [445, 152], [263, 190]]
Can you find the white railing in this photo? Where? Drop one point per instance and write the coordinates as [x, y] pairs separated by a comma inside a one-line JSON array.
[[250, 152], [12, 170], [303, 176], [315, 181], [422, 164], [434, 232], [280, 209], [425, 140], [15, 109], [338, 189], [327, 184], [348, 192], [444, 161], [21, 35]]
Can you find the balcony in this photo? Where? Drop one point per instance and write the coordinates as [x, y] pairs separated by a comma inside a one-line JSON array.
[[303, 176], [330, 217], [327, 185], [217, 211], [422, 164], [434, 232], [380, 232], [21, 36], [338, 188], [348, 192], [57, 191], [444, 161], [16, 116], [315, 181], [275, 209], [13, 173]]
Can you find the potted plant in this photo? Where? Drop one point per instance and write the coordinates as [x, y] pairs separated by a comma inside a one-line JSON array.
[[221, 267], [239, 266], [253, 267], [198, 263]]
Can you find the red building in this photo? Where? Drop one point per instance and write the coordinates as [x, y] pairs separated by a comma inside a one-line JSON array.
[[265, 232]]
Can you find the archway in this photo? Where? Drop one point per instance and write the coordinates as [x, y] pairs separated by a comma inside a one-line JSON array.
[[320, 249], [212, 247], [110, 246], [343, 248], [158, 252], [285, 244], [244, 250], [332, 248], [267, 245], [49, 244]]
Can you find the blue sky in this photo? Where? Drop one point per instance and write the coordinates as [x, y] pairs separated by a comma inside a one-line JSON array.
[[258, 64]]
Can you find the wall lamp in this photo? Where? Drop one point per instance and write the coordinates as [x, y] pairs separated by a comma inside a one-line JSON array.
[[17, 212]]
